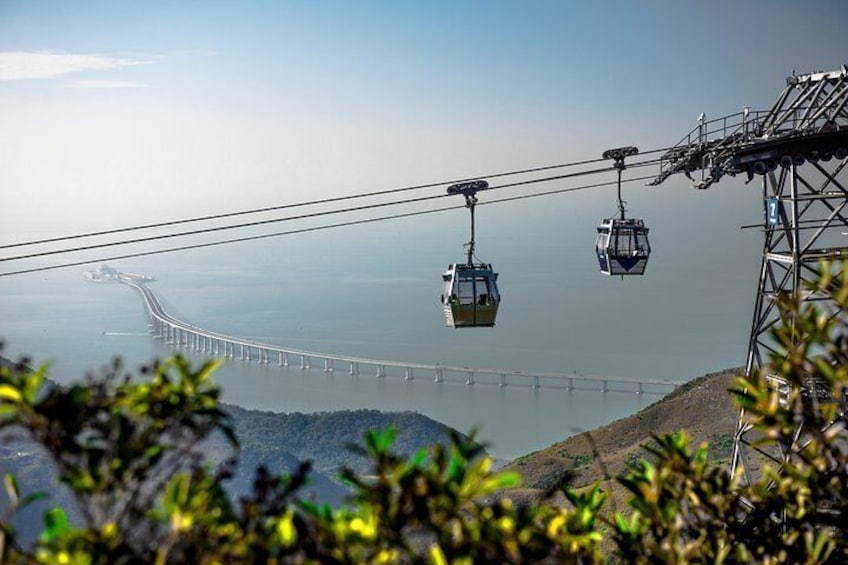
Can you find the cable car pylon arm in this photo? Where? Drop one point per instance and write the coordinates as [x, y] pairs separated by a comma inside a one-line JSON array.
[[808, 122]]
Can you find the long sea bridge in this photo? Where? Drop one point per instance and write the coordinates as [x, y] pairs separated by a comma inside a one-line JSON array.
[[182, 334]]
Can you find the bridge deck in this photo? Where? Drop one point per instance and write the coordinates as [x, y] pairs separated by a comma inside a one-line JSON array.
[[157, 312]]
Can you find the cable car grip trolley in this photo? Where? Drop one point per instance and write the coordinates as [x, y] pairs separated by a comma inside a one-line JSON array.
[[470, 294], [622, 246]]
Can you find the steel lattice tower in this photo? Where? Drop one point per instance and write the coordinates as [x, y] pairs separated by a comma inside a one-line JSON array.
[[799, 151]]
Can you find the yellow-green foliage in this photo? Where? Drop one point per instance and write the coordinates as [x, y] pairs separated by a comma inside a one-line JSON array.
[[126, 450]]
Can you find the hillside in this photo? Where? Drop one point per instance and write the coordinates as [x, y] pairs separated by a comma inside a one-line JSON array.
[[323, 437], [277, 441], [702, 406]]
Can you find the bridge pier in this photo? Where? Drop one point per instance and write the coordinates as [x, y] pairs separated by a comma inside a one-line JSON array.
[[328, 366], [639, 389], [440, 376], [263, 356], [469, 378], [354, 368], [536, 384], [284, 359], [503, 380], [570, 384], [604, 388], [408, 374], [304, 362], [381, 371]]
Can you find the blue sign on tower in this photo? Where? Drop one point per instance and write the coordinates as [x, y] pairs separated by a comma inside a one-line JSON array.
[[773, 211]]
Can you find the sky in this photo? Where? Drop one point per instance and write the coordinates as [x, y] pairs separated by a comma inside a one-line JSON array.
[[116, 113]]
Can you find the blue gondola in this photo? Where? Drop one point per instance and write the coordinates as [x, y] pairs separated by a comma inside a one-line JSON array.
[[622, 245]]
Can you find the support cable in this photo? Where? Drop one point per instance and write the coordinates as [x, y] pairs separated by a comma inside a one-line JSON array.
[[314, 228], [298, 217], [289, 206], [302, 204]]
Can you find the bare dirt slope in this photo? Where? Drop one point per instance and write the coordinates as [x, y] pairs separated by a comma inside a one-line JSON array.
[[703, 407]]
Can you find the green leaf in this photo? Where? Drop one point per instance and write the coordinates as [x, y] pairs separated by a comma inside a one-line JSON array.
[[33, 497], [33, 382], [55, 524], [10, 393], [418, 459], [508, 480], [382, 441]]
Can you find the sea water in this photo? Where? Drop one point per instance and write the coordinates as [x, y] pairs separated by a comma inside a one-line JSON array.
[[372, 291]]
